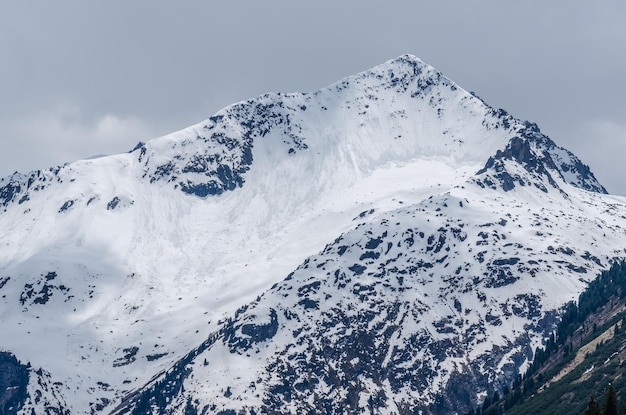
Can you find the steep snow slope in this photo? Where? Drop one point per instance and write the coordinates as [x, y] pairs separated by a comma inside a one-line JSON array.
[[124, 263], [419, 309]]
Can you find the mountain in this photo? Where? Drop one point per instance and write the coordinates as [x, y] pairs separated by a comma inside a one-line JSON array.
[[388, 244]]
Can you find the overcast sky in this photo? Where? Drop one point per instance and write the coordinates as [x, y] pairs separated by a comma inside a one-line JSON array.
[[80, 78]]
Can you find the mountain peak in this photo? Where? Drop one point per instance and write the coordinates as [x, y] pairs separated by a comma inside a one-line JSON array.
[[405, 70], [407, 61]]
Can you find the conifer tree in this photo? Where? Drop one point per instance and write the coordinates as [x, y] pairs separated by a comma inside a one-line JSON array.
[[610, 402], [592, 408]]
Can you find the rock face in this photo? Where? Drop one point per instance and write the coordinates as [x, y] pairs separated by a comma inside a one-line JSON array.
[[389, 244], [13, 383], [545, 158]]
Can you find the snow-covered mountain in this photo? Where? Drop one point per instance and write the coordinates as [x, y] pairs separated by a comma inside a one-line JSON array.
[[390, 244]]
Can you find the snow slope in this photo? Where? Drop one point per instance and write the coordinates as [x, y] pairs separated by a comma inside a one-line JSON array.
[[114, 269], [421, 308]]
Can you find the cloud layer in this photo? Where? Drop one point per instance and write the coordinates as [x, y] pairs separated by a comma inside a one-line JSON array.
[[64, 134]]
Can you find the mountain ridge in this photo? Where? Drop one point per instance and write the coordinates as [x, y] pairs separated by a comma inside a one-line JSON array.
[[398, 73]]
